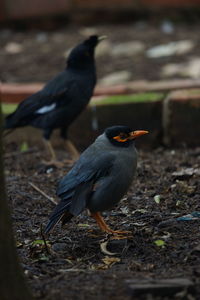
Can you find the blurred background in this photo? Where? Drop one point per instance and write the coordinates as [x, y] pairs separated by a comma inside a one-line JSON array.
[[147, 39]]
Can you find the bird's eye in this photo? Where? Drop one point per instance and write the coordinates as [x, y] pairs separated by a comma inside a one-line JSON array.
[[87, 53]]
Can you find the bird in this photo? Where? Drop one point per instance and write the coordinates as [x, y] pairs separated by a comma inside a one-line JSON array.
[[62, 99], [99, 179]]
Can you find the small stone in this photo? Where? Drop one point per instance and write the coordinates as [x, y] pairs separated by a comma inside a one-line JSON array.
[[116, 78], [128, 49], [188, 69], [87, 31], [59, 247], [172, 48], [41, 37], [13, 48], [167, 27]]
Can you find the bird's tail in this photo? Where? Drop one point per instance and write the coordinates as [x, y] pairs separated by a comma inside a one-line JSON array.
[[7, 131], [60, 213], [11, 121]]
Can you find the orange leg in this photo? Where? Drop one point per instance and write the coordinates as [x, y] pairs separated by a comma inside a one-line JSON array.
[[104, 227]]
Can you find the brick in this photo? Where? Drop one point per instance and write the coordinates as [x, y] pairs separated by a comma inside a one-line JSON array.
[[145, 115], [181, 116], [17, 92]]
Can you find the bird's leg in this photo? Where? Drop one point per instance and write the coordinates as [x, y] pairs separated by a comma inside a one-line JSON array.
[[51, 150], [104, 227], [53, 160], [72, 150]]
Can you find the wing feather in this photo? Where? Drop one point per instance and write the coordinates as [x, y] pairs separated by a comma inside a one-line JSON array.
[[77, 186]]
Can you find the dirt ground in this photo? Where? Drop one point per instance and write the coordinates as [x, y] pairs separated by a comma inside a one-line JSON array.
[[74, 267], [43, 53]]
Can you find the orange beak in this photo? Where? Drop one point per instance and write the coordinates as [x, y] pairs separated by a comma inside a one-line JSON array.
[[137, 133]]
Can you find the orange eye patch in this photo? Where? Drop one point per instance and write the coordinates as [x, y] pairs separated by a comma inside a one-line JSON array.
[[121, 138]]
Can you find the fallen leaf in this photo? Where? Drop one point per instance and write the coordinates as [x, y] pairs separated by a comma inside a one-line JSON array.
[[39, 242], [186, 173], [160, 243], [104, 250], [110, 260], [23, 147], [124, 210], [157, 199], [18, 244], [83, 225]]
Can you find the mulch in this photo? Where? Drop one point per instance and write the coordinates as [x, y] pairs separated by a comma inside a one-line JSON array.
[[72, 265]]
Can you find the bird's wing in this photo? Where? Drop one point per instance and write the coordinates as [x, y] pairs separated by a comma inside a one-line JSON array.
[[35, 105], [90, 167], [39, 101], [76, 187]]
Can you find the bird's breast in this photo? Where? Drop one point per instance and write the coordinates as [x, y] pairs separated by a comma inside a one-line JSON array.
[[109, 190]]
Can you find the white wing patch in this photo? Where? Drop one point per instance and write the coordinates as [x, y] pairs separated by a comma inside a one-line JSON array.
[[46, 109]]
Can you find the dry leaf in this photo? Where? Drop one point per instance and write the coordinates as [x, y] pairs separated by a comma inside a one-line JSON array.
[[109, 261], [103, 247]]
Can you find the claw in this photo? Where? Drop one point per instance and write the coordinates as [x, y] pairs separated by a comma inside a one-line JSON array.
[[54, 163]]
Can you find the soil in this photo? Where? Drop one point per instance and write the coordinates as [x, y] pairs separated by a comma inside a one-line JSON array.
[[72, 265], [43, 53]]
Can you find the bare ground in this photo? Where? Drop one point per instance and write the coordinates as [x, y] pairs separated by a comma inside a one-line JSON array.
[[74, 266], [44, 52]]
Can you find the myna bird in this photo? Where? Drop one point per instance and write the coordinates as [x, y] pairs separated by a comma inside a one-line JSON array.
[[100, 177], [62, 99]]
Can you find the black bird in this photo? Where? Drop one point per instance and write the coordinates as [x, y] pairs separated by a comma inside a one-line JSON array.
[[62, 99], [100, 177]]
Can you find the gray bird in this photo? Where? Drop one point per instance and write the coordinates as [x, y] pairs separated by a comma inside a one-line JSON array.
[[100, 177]]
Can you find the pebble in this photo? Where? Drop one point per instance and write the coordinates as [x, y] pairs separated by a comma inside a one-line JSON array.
[[128, 49], [116, 78]]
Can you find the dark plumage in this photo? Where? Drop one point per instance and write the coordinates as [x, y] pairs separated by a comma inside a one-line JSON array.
[[63, 98], [100, 177]]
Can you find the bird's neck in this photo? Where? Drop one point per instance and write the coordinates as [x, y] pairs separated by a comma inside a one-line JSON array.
[[81, 66]]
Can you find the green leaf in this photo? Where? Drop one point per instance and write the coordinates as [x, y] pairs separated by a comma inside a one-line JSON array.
[[39, 242], [24, 147], [83, 225], [159, 243], [157, 199]]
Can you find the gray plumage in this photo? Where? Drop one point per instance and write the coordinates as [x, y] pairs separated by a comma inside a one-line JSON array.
[[98, 180]]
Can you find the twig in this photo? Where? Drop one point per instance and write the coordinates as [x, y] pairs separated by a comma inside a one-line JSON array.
[[43, 237], [43, 193]]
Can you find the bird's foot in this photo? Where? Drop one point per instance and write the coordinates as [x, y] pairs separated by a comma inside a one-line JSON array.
[[119, 234], [69, 161], [120, 237], [71, 149], [116, 234], [53, 163]]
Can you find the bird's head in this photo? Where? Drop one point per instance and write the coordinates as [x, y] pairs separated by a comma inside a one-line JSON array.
[[83, 54], [123, 136]]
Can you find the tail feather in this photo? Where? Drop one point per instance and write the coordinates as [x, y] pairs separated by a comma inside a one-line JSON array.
[[10, 121], [60, 213], [8, 131]]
